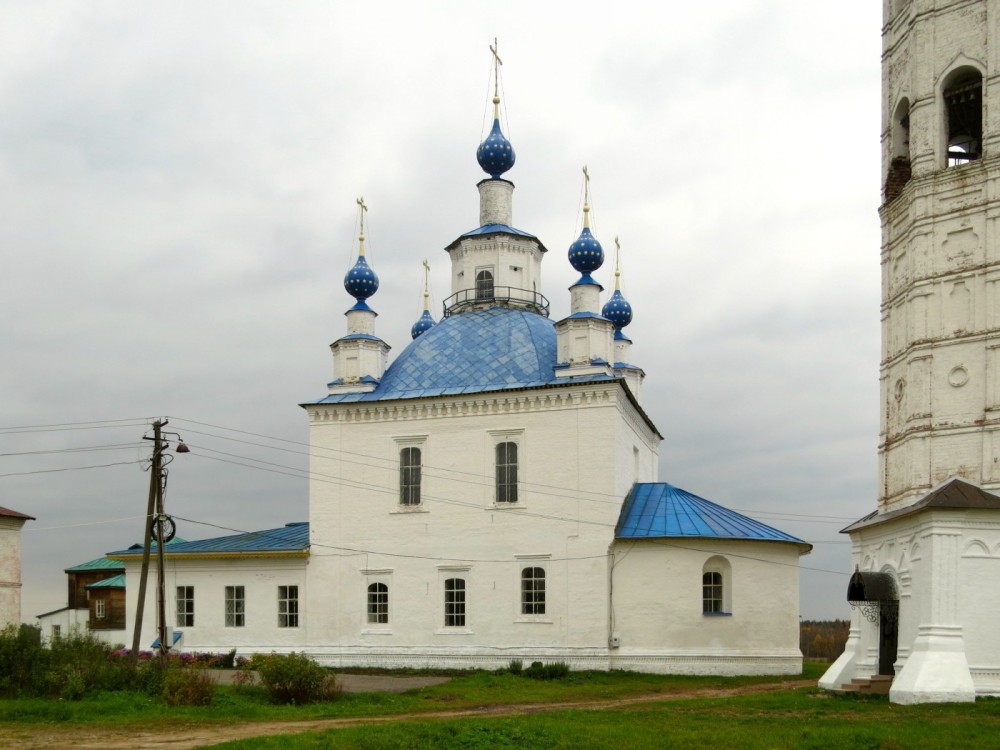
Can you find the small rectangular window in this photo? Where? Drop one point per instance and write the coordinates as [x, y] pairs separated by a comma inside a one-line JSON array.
[[185, 606], [99, 611], [454, 603], [409, 476], [378, 604], [288, 606], [533, 591], [506, 472], [235, 607]]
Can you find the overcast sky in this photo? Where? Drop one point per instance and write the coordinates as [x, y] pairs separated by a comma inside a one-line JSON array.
[[178, 185]]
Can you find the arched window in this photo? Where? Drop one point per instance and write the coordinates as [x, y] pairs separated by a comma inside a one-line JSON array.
[[484, 285], [454, 603], [716, 582], [409, 476], [533, 591], [506, 472], [378, 603], [963, 103]]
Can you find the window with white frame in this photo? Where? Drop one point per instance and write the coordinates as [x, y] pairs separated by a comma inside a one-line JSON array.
[[99, 609], [484, 284], [378, 604], [288, 606], [185, 606], [235, 607], [409, 476], [711, 592], [454, 603], [533, 591], [506, 472]]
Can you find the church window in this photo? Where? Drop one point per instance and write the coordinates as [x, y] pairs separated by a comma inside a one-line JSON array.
[[185, 606], [288, 606], [506, 472], [715, 586], [712, 592], [235, 607], [484, 285], [963, 102], [99, 610], [454, 603], [378, 604], [533, 591], [409, 476]]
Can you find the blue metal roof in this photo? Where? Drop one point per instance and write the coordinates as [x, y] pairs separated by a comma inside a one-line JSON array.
[[661, 511], [475, 351], [487, 229], [292, 537]]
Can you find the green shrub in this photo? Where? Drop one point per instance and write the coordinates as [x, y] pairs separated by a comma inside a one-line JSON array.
[[516, 666], [294, 678], [188, 687], [149, 678], [22, 660], [555, 671]]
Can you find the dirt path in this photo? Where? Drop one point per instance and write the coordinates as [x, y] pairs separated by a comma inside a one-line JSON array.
[[31, 737]]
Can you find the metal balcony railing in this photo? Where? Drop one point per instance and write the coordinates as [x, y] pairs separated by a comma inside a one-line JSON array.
[[471, 299]]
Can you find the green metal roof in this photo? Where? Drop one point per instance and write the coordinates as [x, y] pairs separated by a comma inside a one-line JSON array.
[[101, 563], [115, 582]]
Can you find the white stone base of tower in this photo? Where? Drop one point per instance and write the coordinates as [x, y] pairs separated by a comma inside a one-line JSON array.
[[936, 670], [842, 671]]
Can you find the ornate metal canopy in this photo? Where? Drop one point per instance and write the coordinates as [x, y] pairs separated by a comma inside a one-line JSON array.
[[874, 594]]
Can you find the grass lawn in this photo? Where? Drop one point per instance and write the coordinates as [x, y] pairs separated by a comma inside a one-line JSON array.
[[788, 719], [803, 718], [463, 691]]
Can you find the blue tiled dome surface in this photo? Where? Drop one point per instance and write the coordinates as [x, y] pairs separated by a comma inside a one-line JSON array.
[[471, 352]]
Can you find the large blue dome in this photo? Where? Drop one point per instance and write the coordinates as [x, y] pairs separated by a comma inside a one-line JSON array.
[[475, 351]]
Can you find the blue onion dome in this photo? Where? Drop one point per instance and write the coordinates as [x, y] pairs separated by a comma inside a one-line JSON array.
[[586, 254], [617, 310], [495, 155], [361, 282], [424, 323]]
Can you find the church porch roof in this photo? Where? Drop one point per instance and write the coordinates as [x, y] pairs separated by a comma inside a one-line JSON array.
[[954, 493], [658, 510]]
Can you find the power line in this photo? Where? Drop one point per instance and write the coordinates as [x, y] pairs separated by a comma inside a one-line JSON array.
[[381, 463], [480, 479], [70, 468], [71, 426]]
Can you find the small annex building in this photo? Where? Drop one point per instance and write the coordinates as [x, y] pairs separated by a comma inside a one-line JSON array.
[[95, 601], [493, 494]]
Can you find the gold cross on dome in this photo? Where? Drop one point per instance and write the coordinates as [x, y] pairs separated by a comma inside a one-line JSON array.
[[497, 62], [362, 209]]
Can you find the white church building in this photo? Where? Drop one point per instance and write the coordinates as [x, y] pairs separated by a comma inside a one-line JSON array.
[[493, 494], [926, 590]]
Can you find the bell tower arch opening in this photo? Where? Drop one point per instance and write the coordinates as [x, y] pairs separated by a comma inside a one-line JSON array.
[[962, 97]]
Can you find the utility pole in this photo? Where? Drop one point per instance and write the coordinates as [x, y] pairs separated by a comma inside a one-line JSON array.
[[154, 493], [159, 521]]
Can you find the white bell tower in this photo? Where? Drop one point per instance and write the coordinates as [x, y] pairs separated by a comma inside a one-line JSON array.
[[940, 368]]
